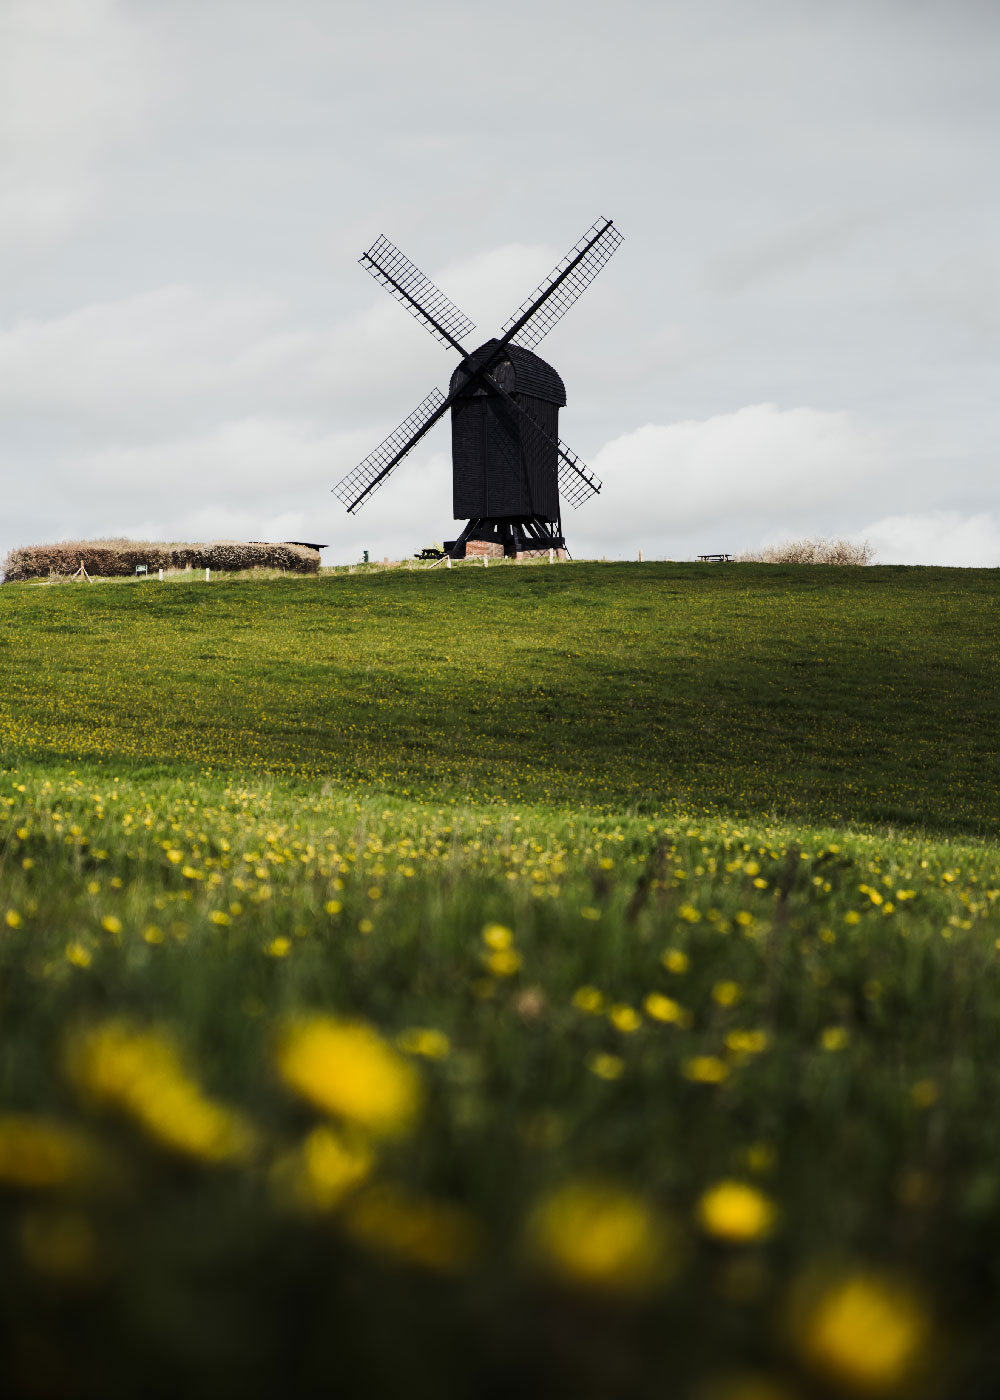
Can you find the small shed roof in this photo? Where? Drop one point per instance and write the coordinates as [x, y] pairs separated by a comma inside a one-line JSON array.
[[518, 371]]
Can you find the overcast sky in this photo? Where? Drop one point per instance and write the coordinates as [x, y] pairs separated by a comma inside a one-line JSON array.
[[799, 336]]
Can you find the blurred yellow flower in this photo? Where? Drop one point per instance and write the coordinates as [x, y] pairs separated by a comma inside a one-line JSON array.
[[624, 1018], [111, 924], [504, 962], [140, 1073], [598, 1236], [705, 1069], [422, 1040], [498, 936], [925, 1093], [675, 961], [40, 1152], [834, 1037], [13, 919], [726, 993], [278, 948], [220, 917], [864, 1331], [662, 1008], [346, 1068], [78, 955], [430, 1234], [325, 1169], [588, 999], [747, 1042], [606, 1066], [736, 1212]]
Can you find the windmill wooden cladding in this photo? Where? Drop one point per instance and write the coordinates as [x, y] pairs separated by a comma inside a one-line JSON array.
[[121, 559]]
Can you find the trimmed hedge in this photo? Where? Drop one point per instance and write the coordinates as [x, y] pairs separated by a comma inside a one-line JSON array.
[[118, 558]]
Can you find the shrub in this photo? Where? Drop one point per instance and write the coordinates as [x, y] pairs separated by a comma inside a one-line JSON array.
[[118, 558], [818, 551]]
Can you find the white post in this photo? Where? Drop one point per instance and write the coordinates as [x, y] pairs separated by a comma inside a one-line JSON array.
[[552, 555], [447, 561], [486, 562], [161, 575], [206, 576], [640, 556]]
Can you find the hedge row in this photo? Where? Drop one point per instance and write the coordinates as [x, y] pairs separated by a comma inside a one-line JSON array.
[[119, 558]]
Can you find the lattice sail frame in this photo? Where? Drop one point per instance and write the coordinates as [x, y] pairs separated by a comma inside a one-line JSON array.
[[368, 476], [564, 284], [425, 301]]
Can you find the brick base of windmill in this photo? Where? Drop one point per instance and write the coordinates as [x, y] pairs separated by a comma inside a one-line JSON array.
[[492, 549]]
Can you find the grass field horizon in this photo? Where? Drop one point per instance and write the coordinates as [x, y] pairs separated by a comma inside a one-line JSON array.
[[516, 979]]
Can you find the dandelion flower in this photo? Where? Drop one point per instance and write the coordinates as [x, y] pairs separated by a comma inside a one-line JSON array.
[[735, 1212], [347, 1069], [598, 1236], [864, 1331]]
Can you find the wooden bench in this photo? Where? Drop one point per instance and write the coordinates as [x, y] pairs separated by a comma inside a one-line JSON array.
[[716, 558]]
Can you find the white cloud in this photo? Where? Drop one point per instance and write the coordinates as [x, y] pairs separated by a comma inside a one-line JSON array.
[[726, 483], [945, 537]]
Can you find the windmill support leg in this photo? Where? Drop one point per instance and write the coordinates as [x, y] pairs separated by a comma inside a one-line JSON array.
[[513, 535]]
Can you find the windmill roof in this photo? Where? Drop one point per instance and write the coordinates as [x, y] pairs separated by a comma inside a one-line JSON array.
[[519, 372]]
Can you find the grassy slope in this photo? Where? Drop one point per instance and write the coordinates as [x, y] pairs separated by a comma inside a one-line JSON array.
[[613, 762]]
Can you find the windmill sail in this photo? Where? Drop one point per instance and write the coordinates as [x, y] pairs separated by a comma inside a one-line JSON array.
[[368, 476], [567, 280], [422, 299]]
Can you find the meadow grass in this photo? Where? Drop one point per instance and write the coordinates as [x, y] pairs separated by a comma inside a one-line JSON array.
[[554, 979]]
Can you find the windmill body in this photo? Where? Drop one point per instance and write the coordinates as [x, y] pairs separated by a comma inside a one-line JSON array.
[[505, 476], [510, 469]]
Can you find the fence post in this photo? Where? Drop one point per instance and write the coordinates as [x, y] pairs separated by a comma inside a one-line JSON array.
[[161, 575], [552, 555], [206, 576], [640, 556], [447, 561], [486, 562]]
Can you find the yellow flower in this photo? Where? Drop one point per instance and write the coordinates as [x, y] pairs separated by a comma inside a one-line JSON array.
[[498, 936], [278, 948], [925, 1093], [689, 914], [662, 1008], [588, 999], [422, 1040], [140, 1073], [736, 1212], [430, 1234], [365, 926], [598, 1236], [346, 1068], [78, 955], [502, 963], [624, 1018], [606, 1066], [332, 906], [220, 917], [589, 912], [834, 1037], [865, 1332], [40, 1152], [111, 924], [747, 1042], [675, 961], [705, 1069], [13, 919], [726, 993], [325, 1169]]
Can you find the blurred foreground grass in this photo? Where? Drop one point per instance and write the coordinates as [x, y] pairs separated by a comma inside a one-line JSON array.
[[435, 1084]]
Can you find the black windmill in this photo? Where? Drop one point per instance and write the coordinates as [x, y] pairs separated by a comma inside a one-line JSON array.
[[509, 466]]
